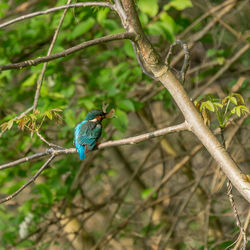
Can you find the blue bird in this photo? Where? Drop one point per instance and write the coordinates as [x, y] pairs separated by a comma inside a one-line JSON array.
[[89, 131]]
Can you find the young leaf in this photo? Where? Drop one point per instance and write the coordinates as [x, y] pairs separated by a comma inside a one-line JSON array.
[[178, 4], [233, 100], [121, 121], [238, 113], [149, 7], [10, 124], [49, 115], [82, 28], [146, 192], [210, 106], [4, 126], [217, 104], [126, 105]]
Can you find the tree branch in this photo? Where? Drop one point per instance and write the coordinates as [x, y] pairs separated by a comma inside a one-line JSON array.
[[126, 141], [44, 12], [193, 118], [109, 38], [45, 165], [40, 79]]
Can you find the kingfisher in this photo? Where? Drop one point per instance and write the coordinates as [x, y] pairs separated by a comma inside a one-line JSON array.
[[89, 131]]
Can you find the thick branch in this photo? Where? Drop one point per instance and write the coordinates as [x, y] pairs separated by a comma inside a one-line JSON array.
[[43, 12], [20, 65], [160, 70]]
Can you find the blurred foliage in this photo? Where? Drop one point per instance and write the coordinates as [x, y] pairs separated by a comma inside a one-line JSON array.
[[78, 83]]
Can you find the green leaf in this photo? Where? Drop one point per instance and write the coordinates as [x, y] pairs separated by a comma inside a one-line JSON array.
[[45, 192], [30, 81], [70, 118], [112, 173], [68, 92], [13, 188], [126, 105], [82, 28], [10, 124], [49, 115], [209, 106], [129, 49], [146, 192], [217, 104], [211, 52], [88, 102], [102, 14], [244, 109], [240, 99], [220, 60], [168, 22], [158, 28], [178, 4], [149, 7], [121, 122], [233, 100]]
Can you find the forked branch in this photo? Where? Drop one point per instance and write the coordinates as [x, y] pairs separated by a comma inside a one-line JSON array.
[[157, 66]]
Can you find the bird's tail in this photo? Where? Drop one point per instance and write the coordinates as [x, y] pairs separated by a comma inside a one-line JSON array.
[[81, 151]]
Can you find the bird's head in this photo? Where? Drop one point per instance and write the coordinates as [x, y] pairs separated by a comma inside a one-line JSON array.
[[97, 115]]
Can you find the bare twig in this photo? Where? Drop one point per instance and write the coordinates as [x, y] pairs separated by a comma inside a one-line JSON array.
[[231, 198], [113, 232], [47, 142], [183, 206], [40, 79], [228, 63], [45, 165], [104, 39], [37, 156], [185, 65], [245, 229], [44, 12], [205, 15], [139, 138], [237, 218]]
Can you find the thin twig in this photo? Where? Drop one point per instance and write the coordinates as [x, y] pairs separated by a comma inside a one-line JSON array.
[[18, 117], [113, 232], [45, 165], [183, 206], [109, 38], [245, 229], [40, 79], [237, 218], [185, 65], [43, 12], [228, 63], [47, 142], [232, 202], [205, 15]]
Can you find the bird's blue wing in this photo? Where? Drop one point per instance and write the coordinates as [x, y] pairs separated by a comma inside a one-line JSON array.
[[88, 134]]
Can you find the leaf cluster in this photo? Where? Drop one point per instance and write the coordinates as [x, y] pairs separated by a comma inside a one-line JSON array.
[[223, 108], [33, 121]]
